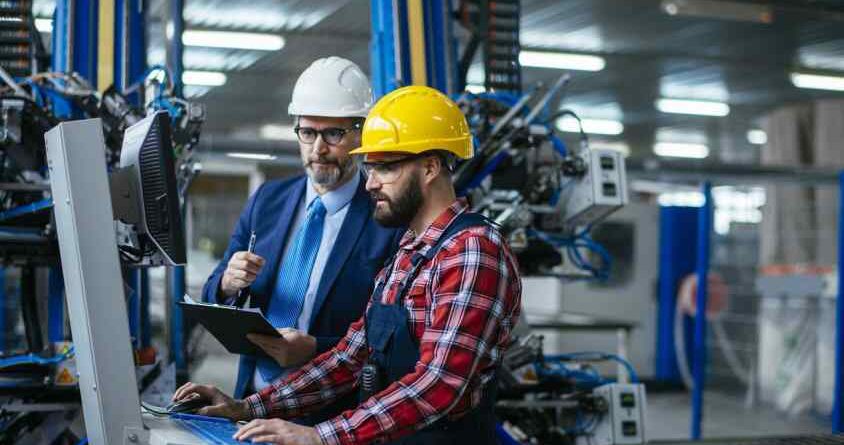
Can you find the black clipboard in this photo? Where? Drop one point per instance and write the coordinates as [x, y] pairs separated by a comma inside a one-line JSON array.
[[230, 325]]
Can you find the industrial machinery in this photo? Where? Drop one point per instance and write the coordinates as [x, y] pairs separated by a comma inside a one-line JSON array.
[[546, 197], [38, 379]]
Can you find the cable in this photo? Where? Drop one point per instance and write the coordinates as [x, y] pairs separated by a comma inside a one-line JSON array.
[[596, 356], [33, 359], [584, 138], [573, 246]]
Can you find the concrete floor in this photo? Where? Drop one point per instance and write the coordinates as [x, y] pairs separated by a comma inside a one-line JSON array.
[[668, 414]]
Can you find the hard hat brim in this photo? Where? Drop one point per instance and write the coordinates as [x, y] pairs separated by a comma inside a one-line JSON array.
[[460, 146]]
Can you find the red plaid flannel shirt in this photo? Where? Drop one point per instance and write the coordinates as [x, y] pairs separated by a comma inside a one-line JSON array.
[[462, 305]]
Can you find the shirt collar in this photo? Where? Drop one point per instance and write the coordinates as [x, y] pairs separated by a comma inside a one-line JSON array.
[[431, 234], [336, 199]]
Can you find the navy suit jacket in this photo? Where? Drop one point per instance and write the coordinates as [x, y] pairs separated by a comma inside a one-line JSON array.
[[361, 248]]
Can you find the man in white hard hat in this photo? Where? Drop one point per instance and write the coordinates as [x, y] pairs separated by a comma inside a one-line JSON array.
[[317, 248]]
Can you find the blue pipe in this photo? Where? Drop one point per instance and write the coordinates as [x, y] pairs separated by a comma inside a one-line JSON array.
[[146, 326], [837, 408], [55, 311], [134, 306], [177, 48], [699, 371], [177, 333]]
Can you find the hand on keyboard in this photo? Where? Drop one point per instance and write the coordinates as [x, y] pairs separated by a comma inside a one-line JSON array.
[[219, 404]]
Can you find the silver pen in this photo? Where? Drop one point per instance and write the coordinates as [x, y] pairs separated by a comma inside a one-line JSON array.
[[243, 293]]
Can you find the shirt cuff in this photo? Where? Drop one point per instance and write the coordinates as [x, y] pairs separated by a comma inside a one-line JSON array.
[[256, 406], [330, 434]]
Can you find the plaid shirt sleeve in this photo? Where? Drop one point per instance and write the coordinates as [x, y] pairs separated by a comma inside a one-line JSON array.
[[475, 299], [316, 384]]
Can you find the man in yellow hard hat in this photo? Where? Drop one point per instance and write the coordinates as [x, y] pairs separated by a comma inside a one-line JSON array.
[[425, 355]]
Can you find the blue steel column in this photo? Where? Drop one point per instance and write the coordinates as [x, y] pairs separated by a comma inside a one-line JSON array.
[[699, 371], [441, 67], [129, 66], [145, 325], [837, 408], [384, 66], [177, 280], [75, 38], [4, 311], [130, 53], [55, 306]]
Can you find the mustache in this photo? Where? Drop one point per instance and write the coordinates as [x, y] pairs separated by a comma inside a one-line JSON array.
[[322, 160], [376, 196]]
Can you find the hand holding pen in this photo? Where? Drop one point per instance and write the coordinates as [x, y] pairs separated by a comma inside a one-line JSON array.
[[243, 268]]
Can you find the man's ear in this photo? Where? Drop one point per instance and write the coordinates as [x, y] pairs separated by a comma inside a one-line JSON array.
[[431, 168]]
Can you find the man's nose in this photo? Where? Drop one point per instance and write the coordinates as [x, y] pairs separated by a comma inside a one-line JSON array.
[[372, 183], [320, 146]]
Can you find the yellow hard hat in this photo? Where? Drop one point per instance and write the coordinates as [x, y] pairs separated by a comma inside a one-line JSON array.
[[415, 119]]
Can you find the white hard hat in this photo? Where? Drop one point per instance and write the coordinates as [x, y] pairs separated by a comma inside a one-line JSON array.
[[331, 87]]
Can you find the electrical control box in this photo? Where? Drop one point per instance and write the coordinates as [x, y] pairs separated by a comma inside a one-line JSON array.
[[599, 192], [624, 421]]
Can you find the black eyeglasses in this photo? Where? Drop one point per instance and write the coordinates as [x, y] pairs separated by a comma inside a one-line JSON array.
[[331, 135]]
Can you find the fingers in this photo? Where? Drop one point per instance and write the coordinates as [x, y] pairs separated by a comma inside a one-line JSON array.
[[189, 389], [259, 427], [248, 261], [247, 429], [268, 438], [219, 410], [183, 391]]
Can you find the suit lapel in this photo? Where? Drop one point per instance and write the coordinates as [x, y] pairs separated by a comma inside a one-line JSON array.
[[277, 231], [359, 210]]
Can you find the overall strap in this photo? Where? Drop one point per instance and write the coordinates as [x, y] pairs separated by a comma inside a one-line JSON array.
[[463, 221]]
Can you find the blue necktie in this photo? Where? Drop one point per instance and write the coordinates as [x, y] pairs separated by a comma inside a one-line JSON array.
[[285, 306]]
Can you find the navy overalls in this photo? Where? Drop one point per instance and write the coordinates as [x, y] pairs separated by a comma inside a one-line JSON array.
[[395, 352]]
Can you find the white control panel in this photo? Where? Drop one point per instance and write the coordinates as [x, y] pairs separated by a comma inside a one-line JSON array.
[[600, 191], [624, 421]]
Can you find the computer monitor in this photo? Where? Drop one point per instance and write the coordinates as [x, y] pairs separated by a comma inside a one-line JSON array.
[[94, 285], [144, 194]]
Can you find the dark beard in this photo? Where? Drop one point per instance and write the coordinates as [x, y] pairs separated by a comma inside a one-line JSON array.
[[400, 212]]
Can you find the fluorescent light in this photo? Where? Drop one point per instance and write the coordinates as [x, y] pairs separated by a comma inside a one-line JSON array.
[[592, 126], [682, 199], [681, 150], [697, 107], [757, 137], [563, 61], [475, 88], [276, 132], [252, 156], [817, 82], [204, 78], [44, 25], [234, 40]]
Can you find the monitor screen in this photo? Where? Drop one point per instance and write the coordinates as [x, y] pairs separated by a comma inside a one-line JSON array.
[[148, 153]]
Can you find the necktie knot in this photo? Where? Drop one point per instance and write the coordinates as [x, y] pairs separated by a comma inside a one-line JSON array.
[[316, 208]]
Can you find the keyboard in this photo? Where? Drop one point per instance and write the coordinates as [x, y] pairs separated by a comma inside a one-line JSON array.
[[215, 430]]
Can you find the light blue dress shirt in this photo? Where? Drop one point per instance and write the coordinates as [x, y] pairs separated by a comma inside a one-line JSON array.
[[336, 204]]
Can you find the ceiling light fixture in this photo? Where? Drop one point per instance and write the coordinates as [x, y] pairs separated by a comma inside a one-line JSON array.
[[44, 25], [252, 156], [817, 82], [591, 126], [563, 61], [695, 107], [204, 78], [233, 40], [757, 137], [681, 150]]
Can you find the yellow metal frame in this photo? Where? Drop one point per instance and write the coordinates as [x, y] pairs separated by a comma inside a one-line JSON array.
[[105, 45], [416, 33]]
